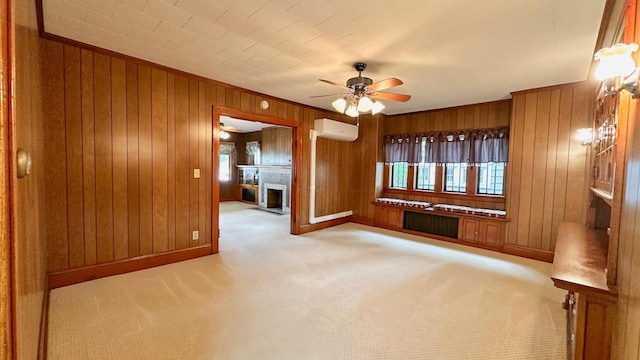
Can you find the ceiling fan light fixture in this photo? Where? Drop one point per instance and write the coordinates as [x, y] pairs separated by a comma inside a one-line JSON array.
[[352, 110], [340, 104], [376, 107], [223, 134], [365, 104]]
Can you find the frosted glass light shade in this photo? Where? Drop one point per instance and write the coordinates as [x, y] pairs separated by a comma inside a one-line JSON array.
[[352, 110], [615, 61], [340, 105], [585, 135], [364, 105], [224, 135], [376, 107]]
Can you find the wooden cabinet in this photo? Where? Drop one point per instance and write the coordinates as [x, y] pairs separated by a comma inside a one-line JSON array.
[[388, 217], [486, 233]]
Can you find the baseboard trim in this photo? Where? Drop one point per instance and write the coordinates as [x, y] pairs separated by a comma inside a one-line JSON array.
[[362, 220], [74, 276], [527, 252], [44, 322], [323, 225]]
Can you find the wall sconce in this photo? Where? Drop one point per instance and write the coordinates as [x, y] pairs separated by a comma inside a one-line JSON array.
[[617, 69], [585, 136]]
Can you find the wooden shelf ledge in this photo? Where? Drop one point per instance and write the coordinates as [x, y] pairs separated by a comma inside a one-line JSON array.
[[580, 261]]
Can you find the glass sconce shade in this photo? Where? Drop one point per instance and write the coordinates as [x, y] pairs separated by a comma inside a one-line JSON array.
[[615, 61], [364, 104], [352, 110], [340, 105]]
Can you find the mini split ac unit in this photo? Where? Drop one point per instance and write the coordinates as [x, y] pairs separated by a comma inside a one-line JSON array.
[[335, 130]]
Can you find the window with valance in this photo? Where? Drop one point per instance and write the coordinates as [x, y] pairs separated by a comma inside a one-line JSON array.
[[227, 160]]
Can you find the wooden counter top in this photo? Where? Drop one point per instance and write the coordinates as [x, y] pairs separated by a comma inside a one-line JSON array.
[[580, 260]]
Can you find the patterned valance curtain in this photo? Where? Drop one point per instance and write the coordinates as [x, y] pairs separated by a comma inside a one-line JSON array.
[[402, 148], [253, 147], [227, 148], [461, 146]]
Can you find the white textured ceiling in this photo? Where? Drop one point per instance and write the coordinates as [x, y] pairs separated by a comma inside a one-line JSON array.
[[447, 52]]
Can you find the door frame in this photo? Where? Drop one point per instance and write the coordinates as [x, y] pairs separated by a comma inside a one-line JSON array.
[[7, 169], [296, 168]]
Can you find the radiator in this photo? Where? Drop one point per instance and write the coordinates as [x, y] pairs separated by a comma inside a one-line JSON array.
[[431, 224]]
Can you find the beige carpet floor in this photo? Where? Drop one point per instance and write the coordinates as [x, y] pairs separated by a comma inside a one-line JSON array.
[[348, 292]]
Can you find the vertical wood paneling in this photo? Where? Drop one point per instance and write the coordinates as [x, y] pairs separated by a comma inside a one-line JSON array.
[[194, 156], [540, 150], [171, 162], [202, 183], [120, 155], [73, 115], [133, 176], [159, 166], [56, 188], [211, 99], [104, 157], [88, 160], [183, 176], [545, 173], [145, 159]]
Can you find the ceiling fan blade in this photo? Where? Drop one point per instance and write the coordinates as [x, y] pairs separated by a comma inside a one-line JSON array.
[[388, 96], [318, 96], [334, 84], [384, 84]]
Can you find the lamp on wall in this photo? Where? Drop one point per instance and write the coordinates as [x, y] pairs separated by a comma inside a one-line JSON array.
[[617, 70], [585, 136]]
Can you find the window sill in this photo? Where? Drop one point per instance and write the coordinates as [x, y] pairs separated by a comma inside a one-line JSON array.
[[448, 195]]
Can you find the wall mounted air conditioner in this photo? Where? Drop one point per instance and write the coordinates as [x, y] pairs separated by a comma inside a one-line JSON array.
[[335, 130]]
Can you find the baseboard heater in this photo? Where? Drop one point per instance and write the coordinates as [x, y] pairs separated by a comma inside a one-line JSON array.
[[431, 224]]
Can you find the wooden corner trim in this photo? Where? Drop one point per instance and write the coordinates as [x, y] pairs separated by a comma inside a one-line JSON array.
[[44, 323], [74, 276], [323, 225], [527, 252]]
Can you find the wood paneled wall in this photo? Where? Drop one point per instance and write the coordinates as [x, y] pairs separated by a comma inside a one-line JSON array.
[[486, 115], [30, 238], [275, 148], [547, 177], [125, 137], [626, 338]]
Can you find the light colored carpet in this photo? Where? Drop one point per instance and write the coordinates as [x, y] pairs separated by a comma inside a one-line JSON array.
[[349, 292]]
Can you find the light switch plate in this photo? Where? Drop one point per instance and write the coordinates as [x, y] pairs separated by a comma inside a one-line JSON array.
[[195, 235], [196, 173]]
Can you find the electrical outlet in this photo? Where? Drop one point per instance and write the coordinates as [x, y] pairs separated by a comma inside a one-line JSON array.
[[196, 173], [195, 235]]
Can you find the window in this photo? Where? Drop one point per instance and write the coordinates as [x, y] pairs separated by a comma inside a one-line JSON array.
[[399, 171], [455, 177], [225, 168], [491, 178], [426, 177]]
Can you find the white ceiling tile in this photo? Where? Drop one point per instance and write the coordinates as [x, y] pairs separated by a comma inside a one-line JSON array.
[[56, 7], [267, 37], [176, 33], [134, 4], [285, 61], [313, 12], [177, 47], [206, 44], [166, 12], [273, 17], [262, 51], [284, 4], [132, 16], [243, 7], [337, 26], [292, 49], [236, 41], [147, 37], [105, 7], [107, 23], [209, 57], [237, 23], [259, 63], [300, 32], [204, 28], [208, 10], [235, 55], [63, 31]]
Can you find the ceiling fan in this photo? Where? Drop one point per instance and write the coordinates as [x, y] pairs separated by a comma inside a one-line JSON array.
[[225, 130], [361, 93]]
